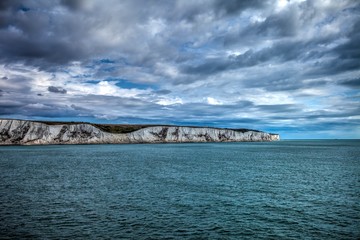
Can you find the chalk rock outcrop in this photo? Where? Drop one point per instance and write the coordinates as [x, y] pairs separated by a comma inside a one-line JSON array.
[[31, 133]]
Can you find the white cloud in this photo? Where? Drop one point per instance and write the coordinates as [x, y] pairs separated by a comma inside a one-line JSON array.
[[169, 101], [213, 101]]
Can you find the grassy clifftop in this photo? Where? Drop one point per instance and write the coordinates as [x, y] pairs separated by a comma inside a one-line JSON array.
[[110, 128], [119, 128], [127, 128]]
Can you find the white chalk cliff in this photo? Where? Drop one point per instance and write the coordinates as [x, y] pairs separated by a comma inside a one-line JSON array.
[[31, 133]]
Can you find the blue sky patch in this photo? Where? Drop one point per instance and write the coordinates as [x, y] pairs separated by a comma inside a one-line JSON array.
[[105, 60], [122, 83]]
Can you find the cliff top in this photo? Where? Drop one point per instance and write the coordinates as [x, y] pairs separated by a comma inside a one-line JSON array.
[[127, 128]]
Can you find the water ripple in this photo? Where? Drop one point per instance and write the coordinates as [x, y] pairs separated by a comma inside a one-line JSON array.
[[283, 190]]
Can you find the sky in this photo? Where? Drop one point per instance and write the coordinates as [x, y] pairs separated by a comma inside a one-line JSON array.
[[287, 67]]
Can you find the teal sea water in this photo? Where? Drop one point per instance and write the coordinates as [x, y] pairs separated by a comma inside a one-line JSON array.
[[275, 190]]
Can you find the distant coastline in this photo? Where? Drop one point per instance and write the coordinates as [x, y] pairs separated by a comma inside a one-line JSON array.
[[25, 132]]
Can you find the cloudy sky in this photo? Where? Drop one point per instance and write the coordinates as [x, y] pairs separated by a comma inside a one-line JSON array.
[[290, 67]]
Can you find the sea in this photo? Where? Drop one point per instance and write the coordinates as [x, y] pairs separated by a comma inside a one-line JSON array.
[[290, 189]]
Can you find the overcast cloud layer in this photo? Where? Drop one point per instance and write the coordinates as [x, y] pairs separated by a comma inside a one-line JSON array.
[[291, 67]]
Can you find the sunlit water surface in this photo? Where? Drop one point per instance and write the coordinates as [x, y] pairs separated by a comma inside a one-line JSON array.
[[276, 190]]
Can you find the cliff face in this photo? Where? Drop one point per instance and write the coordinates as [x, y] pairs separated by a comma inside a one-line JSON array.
[[29, 133]]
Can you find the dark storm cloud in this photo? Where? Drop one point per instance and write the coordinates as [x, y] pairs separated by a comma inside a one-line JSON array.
[[235, 6], [346, 56], [9, 107], [163, 92], [284, 51], [34, 33], [353, 83], [73, 4], [39, 52], [57, 89], [283, 25], [40, 33], [42, 37], [14, 102], [350, 50], [247, 59], [293, 20], [279, 25]]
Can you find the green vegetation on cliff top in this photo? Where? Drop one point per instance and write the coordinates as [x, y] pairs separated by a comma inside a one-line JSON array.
[[127, 128]]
